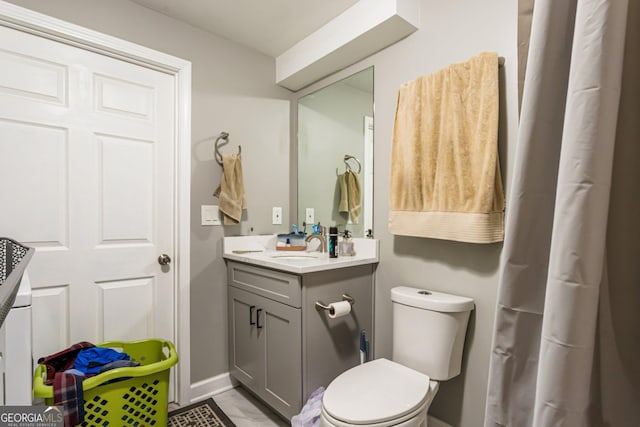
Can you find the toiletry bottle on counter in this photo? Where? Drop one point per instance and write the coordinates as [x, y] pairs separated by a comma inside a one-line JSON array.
[[333, 242], [345, 247]]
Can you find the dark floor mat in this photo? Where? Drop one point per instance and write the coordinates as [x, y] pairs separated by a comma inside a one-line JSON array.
[[201, 414]]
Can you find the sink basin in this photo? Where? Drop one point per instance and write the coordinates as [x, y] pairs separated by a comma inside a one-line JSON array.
[[297, 256]]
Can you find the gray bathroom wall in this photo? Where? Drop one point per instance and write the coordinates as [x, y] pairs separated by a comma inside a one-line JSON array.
[[233, 90], [450, 32]]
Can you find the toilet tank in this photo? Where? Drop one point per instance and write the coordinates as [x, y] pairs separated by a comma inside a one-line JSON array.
[[429, 330]]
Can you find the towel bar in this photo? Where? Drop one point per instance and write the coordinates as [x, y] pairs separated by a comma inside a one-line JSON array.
[[224, 136], [346, 159]]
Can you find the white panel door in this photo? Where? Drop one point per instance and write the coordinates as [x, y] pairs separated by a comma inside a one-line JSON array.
[[87, 177]]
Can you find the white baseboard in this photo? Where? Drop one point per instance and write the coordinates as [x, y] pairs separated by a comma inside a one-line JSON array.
[[212, 386]]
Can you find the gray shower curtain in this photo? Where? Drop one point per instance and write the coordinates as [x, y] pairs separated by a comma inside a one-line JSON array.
[[547, 356]]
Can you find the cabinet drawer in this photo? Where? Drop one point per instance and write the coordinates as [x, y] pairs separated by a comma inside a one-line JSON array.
[[271, 284]]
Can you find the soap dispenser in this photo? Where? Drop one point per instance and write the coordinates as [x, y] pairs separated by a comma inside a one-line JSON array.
[[345, 247]]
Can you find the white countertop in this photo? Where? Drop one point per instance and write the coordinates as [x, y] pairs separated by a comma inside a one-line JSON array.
[[299, 262]]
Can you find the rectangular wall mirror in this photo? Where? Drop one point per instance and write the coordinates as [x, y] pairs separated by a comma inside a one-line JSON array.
[[335, 155]]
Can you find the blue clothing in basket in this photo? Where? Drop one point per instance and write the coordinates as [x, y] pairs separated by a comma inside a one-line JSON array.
[[92, 360]]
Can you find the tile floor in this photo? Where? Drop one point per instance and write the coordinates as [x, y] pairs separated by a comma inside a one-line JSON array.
[[245, 410]]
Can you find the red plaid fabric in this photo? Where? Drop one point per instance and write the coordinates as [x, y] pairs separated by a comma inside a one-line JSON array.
[[62, 360], [67, 393]]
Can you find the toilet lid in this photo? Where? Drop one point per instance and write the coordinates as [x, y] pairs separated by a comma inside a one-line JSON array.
[[374, 392]]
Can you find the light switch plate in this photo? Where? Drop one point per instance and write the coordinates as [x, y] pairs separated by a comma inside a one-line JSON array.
[[210, 215], [309, 216], [276, 216]]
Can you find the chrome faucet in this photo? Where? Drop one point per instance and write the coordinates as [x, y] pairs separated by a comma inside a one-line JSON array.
[[323, 241]]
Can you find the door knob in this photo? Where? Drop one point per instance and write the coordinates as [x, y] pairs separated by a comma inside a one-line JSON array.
[[164, 259]]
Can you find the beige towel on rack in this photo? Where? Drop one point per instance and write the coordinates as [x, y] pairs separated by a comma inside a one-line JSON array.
[[350, 195], [445, 174], [231, 190]]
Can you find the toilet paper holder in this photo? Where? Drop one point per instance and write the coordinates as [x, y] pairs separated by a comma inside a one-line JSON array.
[[345, 297]]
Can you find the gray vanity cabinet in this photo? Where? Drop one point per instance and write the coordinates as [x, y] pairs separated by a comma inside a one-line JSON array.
[[265, 348], [264, 334], [281, 346]]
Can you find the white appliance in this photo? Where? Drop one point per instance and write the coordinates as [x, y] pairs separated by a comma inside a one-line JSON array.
[[16, 349], [428, 337]]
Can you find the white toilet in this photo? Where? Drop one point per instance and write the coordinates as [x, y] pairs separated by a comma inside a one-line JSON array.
[[428, 336]]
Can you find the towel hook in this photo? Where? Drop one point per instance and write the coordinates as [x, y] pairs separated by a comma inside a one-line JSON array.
[[348, 157], [224, 137]]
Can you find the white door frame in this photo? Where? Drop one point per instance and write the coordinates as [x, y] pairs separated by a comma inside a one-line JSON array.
[[51, 28]]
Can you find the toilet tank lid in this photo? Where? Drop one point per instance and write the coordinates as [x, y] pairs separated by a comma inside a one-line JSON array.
[[431, 300]]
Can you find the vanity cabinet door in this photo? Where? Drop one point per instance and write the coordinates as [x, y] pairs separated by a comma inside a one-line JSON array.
[[245, 361], [265, 349], [281, 336]]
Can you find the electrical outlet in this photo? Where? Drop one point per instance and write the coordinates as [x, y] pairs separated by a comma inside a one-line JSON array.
[[309, 216], [276, 216]]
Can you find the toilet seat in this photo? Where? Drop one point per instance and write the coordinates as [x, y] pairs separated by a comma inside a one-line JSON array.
[[412, 419], [377, 392]]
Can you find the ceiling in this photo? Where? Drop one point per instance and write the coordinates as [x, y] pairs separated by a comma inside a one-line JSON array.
[[269, 26]]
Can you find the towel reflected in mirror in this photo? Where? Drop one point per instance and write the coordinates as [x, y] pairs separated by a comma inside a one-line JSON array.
[[350, 196]]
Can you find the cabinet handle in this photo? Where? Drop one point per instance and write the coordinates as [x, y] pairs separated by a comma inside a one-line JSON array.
[[251, 322], [258, 318]]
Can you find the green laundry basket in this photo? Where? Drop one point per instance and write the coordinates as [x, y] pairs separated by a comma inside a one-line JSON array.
[[136, 396]]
